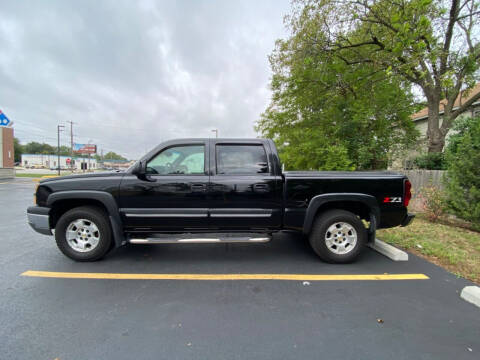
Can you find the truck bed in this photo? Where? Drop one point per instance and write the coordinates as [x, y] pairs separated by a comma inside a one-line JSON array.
[[341, 174], [302, 186]]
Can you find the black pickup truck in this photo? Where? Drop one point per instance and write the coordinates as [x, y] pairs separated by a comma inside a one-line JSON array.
[[218, 190]]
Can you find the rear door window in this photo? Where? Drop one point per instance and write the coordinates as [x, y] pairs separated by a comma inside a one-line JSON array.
[[241, 160]]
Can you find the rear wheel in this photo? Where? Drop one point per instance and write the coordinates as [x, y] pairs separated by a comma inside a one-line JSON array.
[[338, 236], [84, 234]]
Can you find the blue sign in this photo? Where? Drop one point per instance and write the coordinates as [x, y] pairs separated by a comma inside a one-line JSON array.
[[4, 121]]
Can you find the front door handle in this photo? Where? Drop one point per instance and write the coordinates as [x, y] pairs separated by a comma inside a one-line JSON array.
[[198, 187], [261, 187]]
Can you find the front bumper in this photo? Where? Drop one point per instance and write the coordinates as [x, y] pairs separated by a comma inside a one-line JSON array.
[[38, 219], [408, 219]]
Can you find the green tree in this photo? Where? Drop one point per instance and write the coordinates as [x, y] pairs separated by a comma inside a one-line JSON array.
[[325, 114], [17, 149], [112, 156], [34, 147], [430, 44], [462, 181], [64, 150]]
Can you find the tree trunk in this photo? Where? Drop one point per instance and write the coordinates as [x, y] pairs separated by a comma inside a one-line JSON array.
[[436, 142], [435, 136]]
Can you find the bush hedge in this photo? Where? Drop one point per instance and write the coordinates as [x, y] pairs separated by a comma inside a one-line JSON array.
[[431, 161], [462, 181]]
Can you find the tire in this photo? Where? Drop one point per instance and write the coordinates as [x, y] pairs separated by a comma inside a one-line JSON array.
[[84, 242], [339, 247]]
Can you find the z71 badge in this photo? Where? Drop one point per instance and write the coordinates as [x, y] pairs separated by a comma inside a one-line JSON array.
[[392, 199]]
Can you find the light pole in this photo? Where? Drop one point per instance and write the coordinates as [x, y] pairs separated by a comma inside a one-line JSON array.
[[59, 128], [89, 141], [216, 132], [71, 144]]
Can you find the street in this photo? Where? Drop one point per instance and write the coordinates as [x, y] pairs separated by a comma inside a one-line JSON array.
[[65, 318]]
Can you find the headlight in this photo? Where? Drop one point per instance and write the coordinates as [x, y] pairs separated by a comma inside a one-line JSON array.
[[41, 195]]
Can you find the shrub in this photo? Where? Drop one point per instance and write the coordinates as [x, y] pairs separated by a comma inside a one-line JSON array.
[[433, 202], [463, 176], [430, 161]]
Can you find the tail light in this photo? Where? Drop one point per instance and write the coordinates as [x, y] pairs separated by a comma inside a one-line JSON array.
[[407, 192]]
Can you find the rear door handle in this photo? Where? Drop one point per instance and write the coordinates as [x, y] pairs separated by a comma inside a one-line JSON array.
[[261, 187], [198, 187]]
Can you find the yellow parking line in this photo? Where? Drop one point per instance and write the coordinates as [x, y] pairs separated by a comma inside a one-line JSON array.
[[44, 177], [298, 277]]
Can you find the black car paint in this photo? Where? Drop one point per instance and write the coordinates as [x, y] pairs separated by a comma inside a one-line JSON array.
[[245, 201], [181, 199], [195, 203]]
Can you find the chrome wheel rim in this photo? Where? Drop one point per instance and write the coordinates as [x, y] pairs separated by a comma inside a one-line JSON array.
[[341, 238], [82, 235]]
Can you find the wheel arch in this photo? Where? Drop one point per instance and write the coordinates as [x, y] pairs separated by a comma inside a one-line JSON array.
[[363, 205], [62, 201]]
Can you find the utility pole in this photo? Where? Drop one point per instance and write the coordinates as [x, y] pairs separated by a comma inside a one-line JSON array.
[[71, 143], [216, 132], [59, 127], [88, 169]]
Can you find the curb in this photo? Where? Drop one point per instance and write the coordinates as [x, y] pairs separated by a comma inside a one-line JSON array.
[[389, 250], [471, 294]]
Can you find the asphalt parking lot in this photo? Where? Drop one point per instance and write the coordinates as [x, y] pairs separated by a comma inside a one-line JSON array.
[[64, 318]]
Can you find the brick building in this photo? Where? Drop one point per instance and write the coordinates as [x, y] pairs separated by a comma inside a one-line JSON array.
[[6, 153]]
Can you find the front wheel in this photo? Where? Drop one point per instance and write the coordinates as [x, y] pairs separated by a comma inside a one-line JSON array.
[[338, 236], [83, 234]]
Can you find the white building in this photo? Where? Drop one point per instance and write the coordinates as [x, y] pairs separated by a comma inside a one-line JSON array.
[[420, 119], [51, 161]]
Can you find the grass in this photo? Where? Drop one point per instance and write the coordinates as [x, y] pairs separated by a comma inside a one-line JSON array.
[[32, 175], [456, 249]]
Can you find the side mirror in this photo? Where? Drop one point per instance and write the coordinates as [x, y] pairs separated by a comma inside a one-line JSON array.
[[140, 170], [137, 168]]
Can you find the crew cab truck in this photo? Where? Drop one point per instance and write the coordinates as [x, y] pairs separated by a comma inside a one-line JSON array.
[[214, 191]]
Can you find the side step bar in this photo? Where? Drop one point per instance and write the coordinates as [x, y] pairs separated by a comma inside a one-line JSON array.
[[202, 238]]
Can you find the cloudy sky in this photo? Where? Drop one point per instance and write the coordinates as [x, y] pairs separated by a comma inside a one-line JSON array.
[[131, 74]]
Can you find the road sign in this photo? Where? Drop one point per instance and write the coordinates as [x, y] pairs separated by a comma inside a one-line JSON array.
[[4, 121], [68, 161], [84, 148]]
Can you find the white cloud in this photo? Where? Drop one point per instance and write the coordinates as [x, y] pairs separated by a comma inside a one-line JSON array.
[[132, 74]]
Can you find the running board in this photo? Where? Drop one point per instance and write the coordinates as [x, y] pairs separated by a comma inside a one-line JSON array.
[[202, 238]]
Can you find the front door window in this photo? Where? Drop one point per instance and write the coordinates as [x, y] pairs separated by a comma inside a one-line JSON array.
[[179, 160]]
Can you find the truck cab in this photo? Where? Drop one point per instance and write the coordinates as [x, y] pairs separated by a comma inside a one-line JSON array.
[[208, 184]]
